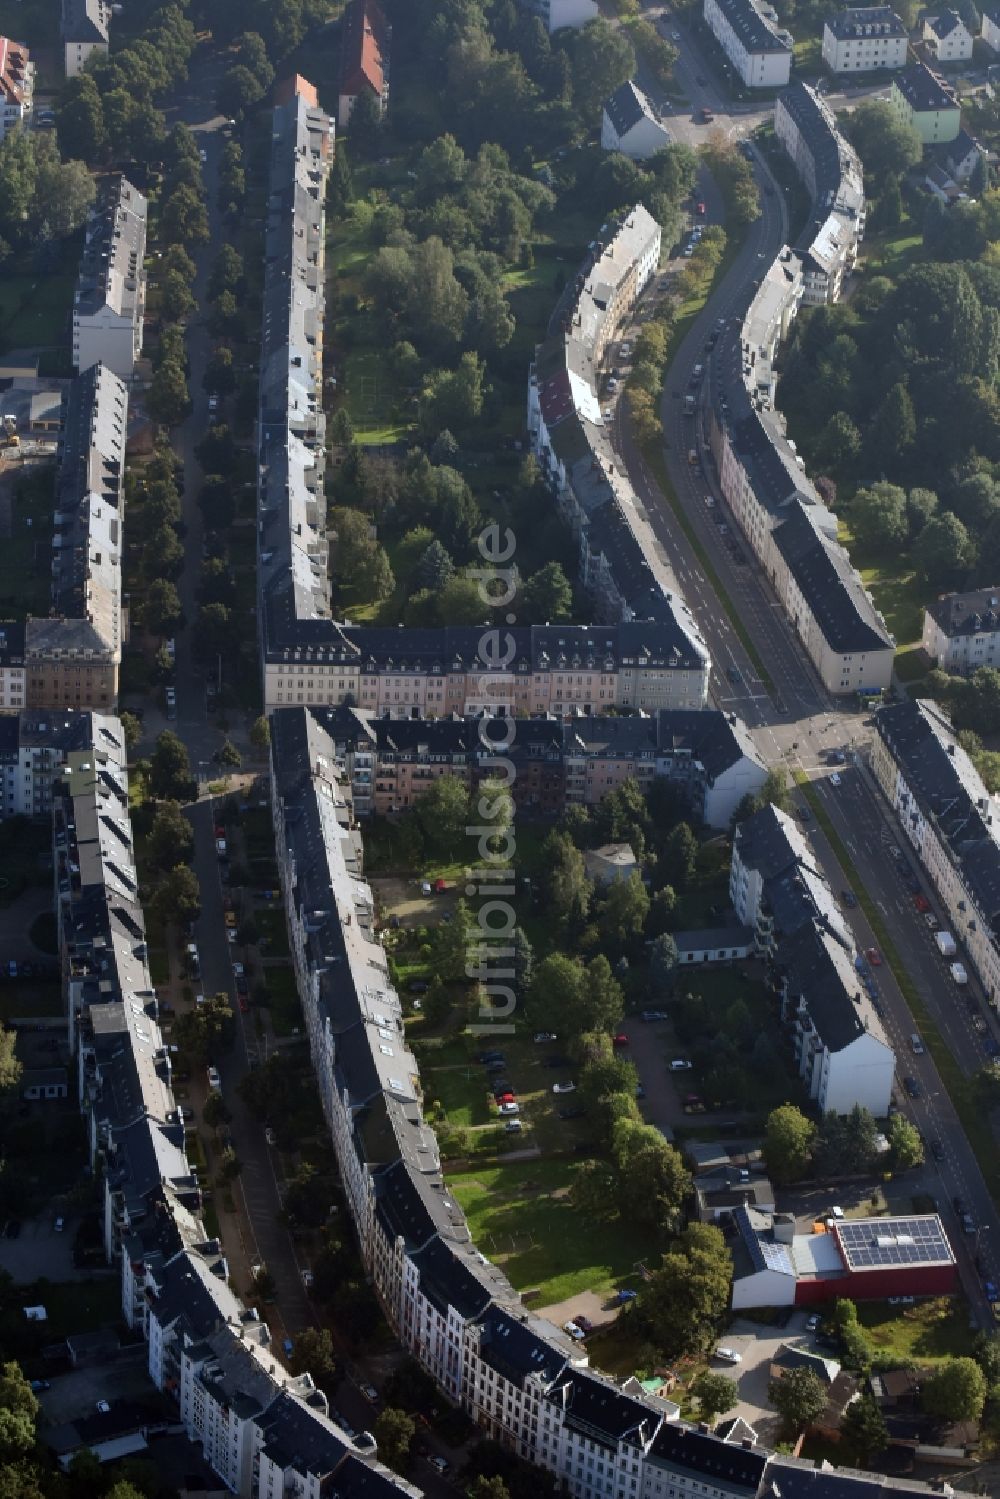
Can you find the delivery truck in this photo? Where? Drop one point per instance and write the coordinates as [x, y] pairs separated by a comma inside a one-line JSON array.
[[946, 944]]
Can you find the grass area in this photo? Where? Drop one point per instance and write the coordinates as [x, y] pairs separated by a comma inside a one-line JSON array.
[[30, 999], [895, 588], [77, 1306], [371, 396], [521, 1216], [35, 309], [808, 54], [25, 857], [26, 555], [286, 1013], [271, 924], [960, 1089], [924, 1333], [893, 251]]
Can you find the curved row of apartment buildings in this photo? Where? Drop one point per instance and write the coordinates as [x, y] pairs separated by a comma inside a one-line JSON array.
[[792, 532]]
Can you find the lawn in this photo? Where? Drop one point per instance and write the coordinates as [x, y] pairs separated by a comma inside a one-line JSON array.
[[895, 588], [925, 1333], [76, 1306], [26, 555], [371, 394], [34, 310], [271, 924], [25, 857], [520, 1215], [30, 999], [286, 1012]]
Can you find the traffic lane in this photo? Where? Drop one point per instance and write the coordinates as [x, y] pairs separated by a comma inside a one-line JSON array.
[[932, 1112]]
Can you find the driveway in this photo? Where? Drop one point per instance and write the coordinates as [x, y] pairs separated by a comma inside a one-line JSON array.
[[39, 1253], [758, 1344]]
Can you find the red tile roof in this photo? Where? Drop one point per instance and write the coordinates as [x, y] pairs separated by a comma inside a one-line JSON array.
[[296, 87], [13, 66], [364, 48]]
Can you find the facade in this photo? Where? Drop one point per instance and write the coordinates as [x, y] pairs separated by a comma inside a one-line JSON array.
[[840, 1047], [990, 31], [832, 174], [921, 100], [621, 563], [962, 631], [13, 670], [72, 658], [17, 84], [110, 302], [947, 38], [35, 748], [364, 59], [557, 760], [864, 40], [631, 125], [951, 821], [559, 13], [84, 31], [750, 37]]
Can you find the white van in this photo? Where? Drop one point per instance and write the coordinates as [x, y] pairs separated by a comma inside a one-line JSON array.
[[916, 1045]]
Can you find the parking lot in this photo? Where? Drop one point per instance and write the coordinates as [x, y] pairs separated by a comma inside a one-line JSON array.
[[757, 1344], [124, 1377], [39, 1253]]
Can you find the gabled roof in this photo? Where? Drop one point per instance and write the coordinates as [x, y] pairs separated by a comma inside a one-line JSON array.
[[14, 65], [628, 107], [364, 48], [944, 23], [85, 21]]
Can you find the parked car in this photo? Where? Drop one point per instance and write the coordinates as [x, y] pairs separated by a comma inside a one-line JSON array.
[[650, 1015], [575, 1332], [849, 898], [912, 1086], [564, 1087], [541, 1037], [510, 1109], [874, 957], [214, 1081], [513, 1127], [440, 1463], [729, 1355], [680, 1064], [369, 1392]]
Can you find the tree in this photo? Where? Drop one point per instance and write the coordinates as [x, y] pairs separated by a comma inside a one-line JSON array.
[[214, 633], [555, 999], [217, 503], [260, 734], [680, 856], [435, 567], [177, 898], [623, 913], [342, 428], [228, 756], [602, 59], [887, 145], [864, 1430], [879, 517], [18, 1414], [661, 912], [313, 1354], [839, 442], [799, 1398], [788, 1142], [568, 889], [306, 1199], [716, 1395], [80, 119], [663, 962], [252, 53], [546, 597], [684, 1301], [364, 128], [131, 728], [183, 219], [455, 944], [482, 1487], [171, 839], [168, 398], [954, 1391], [905, 1144], [943, 551], [227, 273], [176, 297], [442, 815], [238, 92], [216, 1112], [219, 376], [393, 1429], [10, 1066], [651, 1179], [893, 428], [161, 608], [170, 769], [163, 555]]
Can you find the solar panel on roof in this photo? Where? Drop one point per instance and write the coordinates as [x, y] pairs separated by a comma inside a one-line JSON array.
[[893, 1241]]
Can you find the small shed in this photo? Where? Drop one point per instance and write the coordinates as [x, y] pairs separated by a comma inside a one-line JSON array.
[[615, 861]]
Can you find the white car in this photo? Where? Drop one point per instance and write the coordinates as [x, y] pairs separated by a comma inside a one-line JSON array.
[[230, 936], [508, 1110], [835, 779], [540, 1037], [237, 967], [564, 1087], [220, 847], [576, 1333], [680, 1064], [729, 1355], [813, 1322], [307, 1279], [214, 1081], [269, 1136]]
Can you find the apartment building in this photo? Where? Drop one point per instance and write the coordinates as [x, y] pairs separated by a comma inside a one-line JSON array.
[[831, 171], [759, 50], [990, 30], [72, 658], [366, 38], [951, 821], [962, 631], [621, 563], [920, 99], [631, 125], [35, 748], [110, 301], [13, 671], [557, 761], [17, 84], [84, 31], [555, 14], [946, 37], [777, 888], [864, 39]]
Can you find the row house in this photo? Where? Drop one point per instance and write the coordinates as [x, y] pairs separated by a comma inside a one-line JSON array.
[[831, 171], [109, 305], [748, 32], [950, 820], [864, 39], [961, 631]]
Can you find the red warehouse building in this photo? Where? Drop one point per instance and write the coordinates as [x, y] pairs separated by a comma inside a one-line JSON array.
[[865, 1259]]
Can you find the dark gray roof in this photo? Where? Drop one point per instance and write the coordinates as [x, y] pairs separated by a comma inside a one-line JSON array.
[[867, 20], [727, 1466], [595, 1409], [12, 642], [627, 106], [515, 1349], [922, 90], [750, 26], [822, 975], [84, 21], [796, 1478], [830, 587], [944, 23], [977, 612]]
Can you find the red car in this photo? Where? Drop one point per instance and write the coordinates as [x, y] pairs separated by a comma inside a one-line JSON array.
[[700, 208], [244, 1004], [440, 886], [620, 1040], [874, 957], [921, 902], [506, 1098]]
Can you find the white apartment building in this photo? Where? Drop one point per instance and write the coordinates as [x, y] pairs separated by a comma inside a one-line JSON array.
[[865, 39], [832, 173], [962, 631], [947, 38], [952, 822], [990, 31], [110, 301], [13, 671], [17, 84], [84, 31], [748, 33]]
